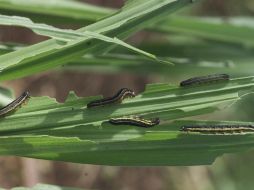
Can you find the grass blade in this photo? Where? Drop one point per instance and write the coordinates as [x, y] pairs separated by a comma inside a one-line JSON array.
[[66, 36], [51, 53], [55, 11], [70, 132], [233, 30]]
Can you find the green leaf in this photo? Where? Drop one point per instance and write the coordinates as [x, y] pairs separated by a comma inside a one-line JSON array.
[[70, 132], [69, 37], [232, 30], [52, 53], [54, 10], [200, 59], [112, 63]]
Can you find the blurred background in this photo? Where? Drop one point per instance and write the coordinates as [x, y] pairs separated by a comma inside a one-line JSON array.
[[230, 172]]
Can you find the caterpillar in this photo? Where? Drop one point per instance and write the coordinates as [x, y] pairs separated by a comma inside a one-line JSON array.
[[135, 121], [204, 79], [218, 129], [15, 104], [118, 98]]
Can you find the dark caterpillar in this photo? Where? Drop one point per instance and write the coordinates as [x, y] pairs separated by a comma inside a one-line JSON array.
[[204, 79], [118, 98], [135, 121], [218, 129], [15, 104]]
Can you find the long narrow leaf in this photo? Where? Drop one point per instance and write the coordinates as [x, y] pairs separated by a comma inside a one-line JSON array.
[[112, 63], [71, 132], [66, 36], [198, 60], [51, 53], [233, 30], [55, 10]]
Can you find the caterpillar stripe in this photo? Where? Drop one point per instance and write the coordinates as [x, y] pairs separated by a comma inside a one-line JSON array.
[[204, 79], [15, 104], [218, 129], [135, 121], [118, 98]]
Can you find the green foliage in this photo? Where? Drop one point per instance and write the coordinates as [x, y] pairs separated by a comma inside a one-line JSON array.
[[54, 11], [70, 132], [52, 53], [233, 30], [56, 131]]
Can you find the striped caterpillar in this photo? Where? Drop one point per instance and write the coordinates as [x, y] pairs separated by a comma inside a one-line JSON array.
[[118, 98], [135, 121], [15, 104], [218, 129], [204, 79]]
